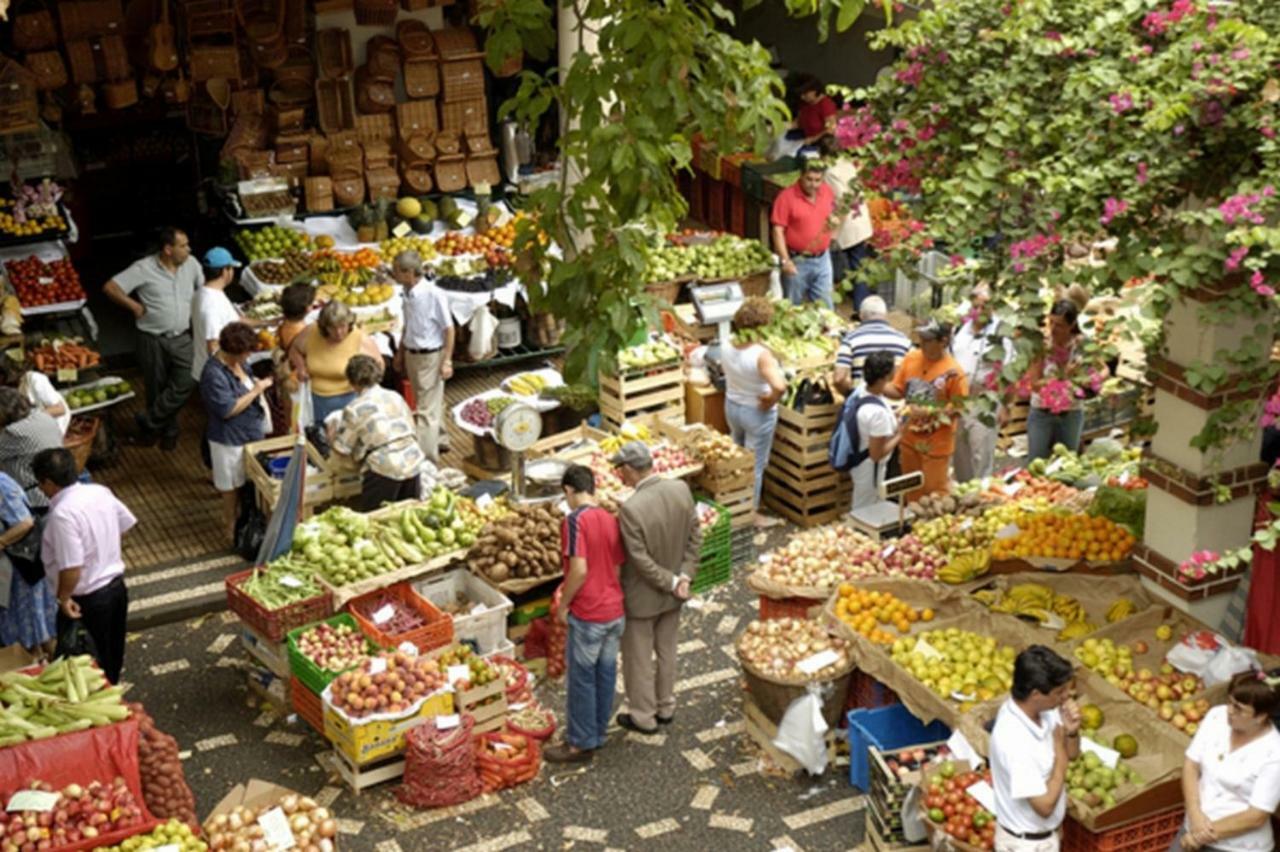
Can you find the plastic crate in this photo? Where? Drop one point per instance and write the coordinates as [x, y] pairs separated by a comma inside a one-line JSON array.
[[1152, 833], [307, 705], [753, 175], [718, 536], [865, 692], [885, 728], [713, 570], [437, 632], [487, 629], [306, 671], [274, 624], [787, 607]]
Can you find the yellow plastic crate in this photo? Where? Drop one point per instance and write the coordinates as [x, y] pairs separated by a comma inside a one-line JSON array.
[[364, 742]]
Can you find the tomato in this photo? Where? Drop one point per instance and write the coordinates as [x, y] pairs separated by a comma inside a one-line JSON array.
[[954, 798], [949, 810]]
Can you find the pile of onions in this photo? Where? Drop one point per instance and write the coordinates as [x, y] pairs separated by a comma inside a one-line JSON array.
[[313, 827], [773, 648], [825, 557]]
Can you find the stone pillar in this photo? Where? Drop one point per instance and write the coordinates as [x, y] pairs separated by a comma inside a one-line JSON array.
[[1183, 514]]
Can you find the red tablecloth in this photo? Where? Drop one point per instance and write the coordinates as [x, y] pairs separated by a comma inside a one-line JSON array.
[[1261, 627]]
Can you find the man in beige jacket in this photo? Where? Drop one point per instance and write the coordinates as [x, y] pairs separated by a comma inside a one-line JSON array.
[[661, 536]]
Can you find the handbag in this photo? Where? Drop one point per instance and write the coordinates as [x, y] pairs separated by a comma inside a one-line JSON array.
[[25, 553], [74, 639]]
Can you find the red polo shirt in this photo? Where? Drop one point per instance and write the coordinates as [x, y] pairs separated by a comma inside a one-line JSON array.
[[803, 221], [812, 118], [592, 533]]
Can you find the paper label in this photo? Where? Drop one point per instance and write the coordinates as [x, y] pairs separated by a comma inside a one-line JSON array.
[[1109, 757], [445, 723], [465, 218], [275, 829], [483, 502], [962, 749], [928, 650], [32, 800], [290, 582], [168, 847], [986, 483], [1125, 477], [765, 559], [888, 551], [401, 230], [67, 374], [457, 673], [968, 522], [518, 706], [385, 614], [408, 649], [1010, 474], [1007, 531], [45, 281], [1054, 467], [817, 662], [503, 746], [986, 796], [1014, 488], [377, 665]]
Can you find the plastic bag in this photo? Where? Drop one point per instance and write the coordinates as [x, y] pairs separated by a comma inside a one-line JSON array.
[[74, 639], [303, 413], [802, 732], [251, 524], [1210, 656], [484, 335]]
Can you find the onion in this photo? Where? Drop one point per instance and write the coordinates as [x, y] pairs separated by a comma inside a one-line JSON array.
[[289, 804]]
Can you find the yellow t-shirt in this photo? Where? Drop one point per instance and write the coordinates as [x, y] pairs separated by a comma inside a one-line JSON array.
[[327, 362]]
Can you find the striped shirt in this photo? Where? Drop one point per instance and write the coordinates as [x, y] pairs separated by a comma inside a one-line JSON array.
[[872, 336]]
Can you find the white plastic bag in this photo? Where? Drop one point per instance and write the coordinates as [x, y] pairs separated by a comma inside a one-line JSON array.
[[303, 413], [484, 334], [1210, 656], [802, 732]]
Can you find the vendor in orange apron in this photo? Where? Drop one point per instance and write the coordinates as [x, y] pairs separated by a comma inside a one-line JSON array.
[[934, 387]]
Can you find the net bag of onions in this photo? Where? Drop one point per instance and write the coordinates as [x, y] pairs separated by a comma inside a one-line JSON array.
[[516, 677], [557, 638], [440, 766], [532, 720], [506, 759], [164, 784]]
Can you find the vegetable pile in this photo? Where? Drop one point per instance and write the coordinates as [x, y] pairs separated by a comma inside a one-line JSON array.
[[957, 813], [481, 673], [440, 765], [524, 545], [481, 412], [279, 585], [532, 719], [63, 354], [777, 647], [933, 506], [1066, 536], [1104, 460], [505, 760], [70, 694], [171, 836], [864, 611], [718, 450], [164, 784], [387, 683], [1122, 505], [957, 661], [313, 827], [38, 283], [333, 647], [79, 814], [824, 557]]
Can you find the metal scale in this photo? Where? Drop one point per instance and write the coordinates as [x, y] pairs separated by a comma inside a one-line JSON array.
[[889, 517], [715, 305], [516, 429]]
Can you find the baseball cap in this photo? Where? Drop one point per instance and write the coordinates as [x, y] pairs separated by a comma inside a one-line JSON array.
[[219, 258], [632, 454]]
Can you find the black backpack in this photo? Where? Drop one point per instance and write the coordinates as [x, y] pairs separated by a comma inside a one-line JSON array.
[[843, 451]]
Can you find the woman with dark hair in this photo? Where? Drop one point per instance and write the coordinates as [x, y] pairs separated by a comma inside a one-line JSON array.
[[1231, 775], [25, 431], [1064, 346], [237, 415], [38, 390], [879, 431], [376, 431], [28, 617]]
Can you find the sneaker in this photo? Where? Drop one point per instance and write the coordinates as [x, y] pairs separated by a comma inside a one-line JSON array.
[[564, 753], [625, 721], [144, 435], [664, 720]]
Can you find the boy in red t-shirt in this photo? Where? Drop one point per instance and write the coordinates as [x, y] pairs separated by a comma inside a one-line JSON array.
[[591, 604]]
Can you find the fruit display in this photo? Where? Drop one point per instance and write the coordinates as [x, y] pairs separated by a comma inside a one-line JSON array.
[[717, 449], [1048, 607], [933, 506], [494, 253], [70, 694], [480, 672], [1059, 535], [84, 397], [172, 836], [965, 567], [954, 662], [581, 398], [63, 354], [479, 282], [779, 648], [629, 431], [1026, 486], [294, 265], [725, 256], [280, 585], [314, 829], [271, 241], [264, 308], [450, 267], [1173, 695], [33, 212], [957, 813], [390, 614], [1123, 505], [386, 683], [526, 544], [708, 516], [364, 295], [870, 612], [824, 557], [424, 246], [648, 355], [481, 412], [1104, 460], [334, 647], [81, 813], [37, 283], [1093, 784], [956, 534], [526, 384]]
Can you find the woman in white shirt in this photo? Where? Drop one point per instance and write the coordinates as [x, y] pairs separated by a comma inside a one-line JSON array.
[[1231, 775], [878, 429], [38, 390]]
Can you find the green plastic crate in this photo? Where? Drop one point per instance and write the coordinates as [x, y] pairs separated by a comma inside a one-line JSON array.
[[311, 675], [755, 175], [720, 535], [713, 570]]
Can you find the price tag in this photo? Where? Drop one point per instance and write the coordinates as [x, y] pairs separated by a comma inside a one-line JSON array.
[[457, 673], [986, 483], [1010, 474], [401, 230], [465, 218], [888, 551], [45, 281], [1054, 467], [817, 662], [32, 800], [982, 791], [930, 652], [385, 614], [408, 649], [275, 830], [1109, 757], [503, 746], [168, 847], [1124, 478], [962, 749], [483, 502], [290, 582], [446, 723], [377, 665], [968, 522], [67, 374], [518, 706], [765, 559], [1008, 531], [1014, 488]]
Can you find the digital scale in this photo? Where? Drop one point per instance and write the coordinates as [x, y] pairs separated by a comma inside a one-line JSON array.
[[888, 518]]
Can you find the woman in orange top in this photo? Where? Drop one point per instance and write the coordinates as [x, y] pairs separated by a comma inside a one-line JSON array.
[[932, 383]]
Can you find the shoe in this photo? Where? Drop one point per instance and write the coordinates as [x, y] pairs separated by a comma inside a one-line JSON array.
[[664, 720], [169, 443], [144, 435], [562, 753], [624, 721]]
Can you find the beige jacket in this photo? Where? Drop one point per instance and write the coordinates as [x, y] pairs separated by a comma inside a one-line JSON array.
[[661, 536], [856, 228]]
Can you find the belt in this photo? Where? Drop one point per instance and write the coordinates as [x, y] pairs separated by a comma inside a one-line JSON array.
[[1030, 835], [795, 254], [413, 351], [168, 335]]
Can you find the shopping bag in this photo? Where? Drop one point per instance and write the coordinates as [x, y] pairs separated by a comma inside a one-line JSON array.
[[802, 733], [74, 639], [484, 335], [303, 413]]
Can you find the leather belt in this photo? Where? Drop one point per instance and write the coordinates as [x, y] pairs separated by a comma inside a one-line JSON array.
[[806, 254], [413, 351], [1030, 835]]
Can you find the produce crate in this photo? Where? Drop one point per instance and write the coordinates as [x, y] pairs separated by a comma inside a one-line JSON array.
[[881, 839], [763, 731], [885, 728], [717, 536], [488, 717], [437, 632], [813, 509], [276, 623], [1015, 425], [307, 705], [802, 437], [318, 485], [303, 669], [1152, 833], [867, 692], [364, 741], [714, 569], [755, 175], [486, 628], [771, 608], [888, 786], [273, 656], [657, 389]]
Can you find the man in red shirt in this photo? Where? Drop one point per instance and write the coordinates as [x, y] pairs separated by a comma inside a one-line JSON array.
[[591, 604], [803, 220]]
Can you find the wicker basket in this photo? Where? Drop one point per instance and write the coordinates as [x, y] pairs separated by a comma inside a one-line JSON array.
[[34, 31], [293, 148], [335, 110], [462, 79], [120, 94], [251, 164], [79, 439], [376, 13], [417, 177], [348, 190], [461, 116], [478, 144], [773, 698], [421, 78], [451, 173], [382, 183], [115, 58], [319, 194], [248, 102], [82, 19], [457, 43], [297, 66], [415, 40], [49, 70], [292, 93], [378, 155], [382, 58], [373, 95], [209, 18], [448, 144], [419, 149], [19, 104], [416, 118], [288, 120], [333, 54], [483, 170], [80, 59], [206, 117], [375, 128], [209, 62]]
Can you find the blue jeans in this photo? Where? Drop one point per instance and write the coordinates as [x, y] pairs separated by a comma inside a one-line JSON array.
[[752, 428], [1044, 429], [323, 406], [593, 678], [812, 281]]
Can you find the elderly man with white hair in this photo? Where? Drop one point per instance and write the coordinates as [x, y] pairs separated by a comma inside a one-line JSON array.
[[425, 353], [873, 334], [982, 348]]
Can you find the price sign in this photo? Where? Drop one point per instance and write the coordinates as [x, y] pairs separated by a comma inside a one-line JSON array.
[[1109, 757], [1054, 467], [1007, 531], [408, 649], [290, 582], [401, 230], [1124, 478], [445, 723], [45, 281], [888, 551], [385, 614], [930, 652], [982, 791], [465, 218], [483, 502], [1010, 474], [67, 374], [1014, 488], [377, 665], [817, 662], [32, 800], [968, 522], [276, 831], [168, 847], [457, 673]]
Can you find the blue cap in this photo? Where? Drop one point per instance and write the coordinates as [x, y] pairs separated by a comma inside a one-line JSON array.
[[219, 258]]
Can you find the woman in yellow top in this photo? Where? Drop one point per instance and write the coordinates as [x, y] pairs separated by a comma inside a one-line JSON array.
[[320, 354], [932, 383]]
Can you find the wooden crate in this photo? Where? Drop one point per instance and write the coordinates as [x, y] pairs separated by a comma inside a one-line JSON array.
[[319, 485], [1015, 426], [762, 732], [359, 778], [488, 717], [812, 509], [735, 491], [659, 389]]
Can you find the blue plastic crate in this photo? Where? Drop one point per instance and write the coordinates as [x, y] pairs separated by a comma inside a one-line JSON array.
[[888, 729]]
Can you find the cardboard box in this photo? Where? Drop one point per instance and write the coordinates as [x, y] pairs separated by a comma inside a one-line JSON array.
[[252, 794], [16, 657], [366, 740]]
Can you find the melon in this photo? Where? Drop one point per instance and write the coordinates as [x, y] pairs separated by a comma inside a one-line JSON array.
[[409, 208]]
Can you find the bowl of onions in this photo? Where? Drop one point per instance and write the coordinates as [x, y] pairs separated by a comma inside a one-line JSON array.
[[781, 657]]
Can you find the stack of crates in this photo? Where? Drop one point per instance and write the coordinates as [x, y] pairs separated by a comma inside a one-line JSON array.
[[876, 736], [715, 560]]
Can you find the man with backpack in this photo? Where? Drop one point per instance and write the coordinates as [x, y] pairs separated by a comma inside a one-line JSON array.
[[868, 432]]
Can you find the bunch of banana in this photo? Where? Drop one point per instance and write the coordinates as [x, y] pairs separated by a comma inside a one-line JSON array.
[[1075, 630], [1032, 594], [1069, 608], [527, 384], [628, 432], [990, 598], [966, 566], [1120, 610]]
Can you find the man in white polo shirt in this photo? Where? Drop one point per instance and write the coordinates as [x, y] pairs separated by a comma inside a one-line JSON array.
[[425, 355], [1036, 735]]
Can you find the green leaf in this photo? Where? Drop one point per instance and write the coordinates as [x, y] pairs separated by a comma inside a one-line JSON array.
[[850, 10]]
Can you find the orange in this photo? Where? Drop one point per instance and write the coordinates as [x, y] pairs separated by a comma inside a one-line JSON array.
[[926, 614]]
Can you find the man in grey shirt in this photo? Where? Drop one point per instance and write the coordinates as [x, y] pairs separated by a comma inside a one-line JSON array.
[[158, 290]]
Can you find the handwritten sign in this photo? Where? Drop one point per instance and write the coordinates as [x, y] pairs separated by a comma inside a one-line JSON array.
[[982, 791], [401, 230], [929, 652], [817, 662], [1109, 757], [32, 800], [377, 665], [385, 614], [457, 673], [276, 831], [290, 582], [445, 723]]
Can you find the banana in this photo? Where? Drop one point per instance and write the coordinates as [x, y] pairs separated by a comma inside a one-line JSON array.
[[1075, 630], [1120, 610]]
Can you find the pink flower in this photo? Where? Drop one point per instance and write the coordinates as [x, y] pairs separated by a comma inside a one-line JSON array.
[[1271, 411], [912, 75], [927, 132], [1142, 173], [1240, 207], [1240, 54], [1059, 395], [1053, 35], [1032, 247], [1111, 208], [1199, 565], [1268, 131], [956, 259], [1257, 282], [1233, 260], [1121, 103]]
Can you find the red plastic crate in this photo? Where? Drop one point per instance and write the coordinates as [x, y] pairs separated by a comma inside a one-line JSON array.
[[1152, 833], [716, 217], [436, 633], [273, 624], [307, 705], [867, 692], [406, 391], [731, 172], [737, 216], [786, 607], [698, 197]]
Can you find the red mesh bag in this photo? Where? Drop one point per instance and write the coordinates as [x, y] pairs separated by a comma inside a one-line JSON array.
[[506, 759], [557, 638], [440, 766], [164, 784]]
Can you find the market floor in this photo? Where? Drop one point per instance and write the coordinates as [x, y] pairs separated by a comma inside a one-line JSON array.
[[697, 784]]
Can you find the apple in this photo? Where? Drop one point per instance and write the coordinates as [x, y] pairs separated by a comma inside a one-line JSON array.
[[1191, 728], [1193, 715], [1163, 692], [1166, 669], [1179, 721], [1145, 674], [1140, 647], [1190, 685], [1166, 712]]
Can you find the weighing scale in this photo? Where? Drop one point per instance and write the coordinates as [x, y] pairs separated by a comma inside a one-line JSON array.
[[716, 304], [885, 519], [516, 429]]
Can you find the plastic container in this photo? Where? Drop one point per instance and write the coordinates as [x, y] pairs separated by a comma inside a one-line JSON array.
[[771, 608], [306, 671], [486, 628], [437, 632], [1152, 833], [885, 728], [273, 624], [867, 692], [307, 705]]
